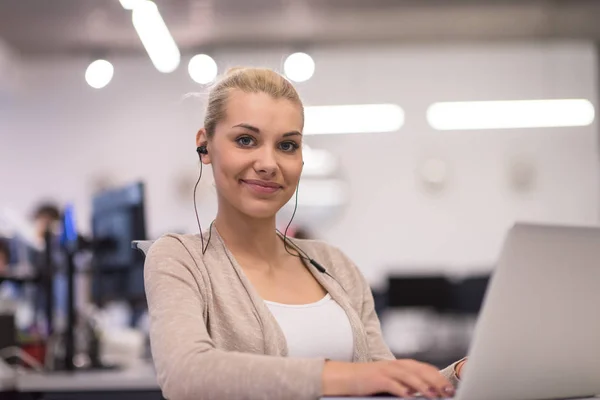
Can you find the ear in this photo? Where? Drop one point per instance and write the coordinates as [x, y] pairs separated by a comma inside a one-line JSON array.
[[202, 140]]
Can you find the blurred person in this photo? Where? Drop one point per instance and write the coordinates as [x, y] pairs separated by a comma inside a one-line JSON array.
[[8, 290], [46, 217], [4, 257], [245, 312]]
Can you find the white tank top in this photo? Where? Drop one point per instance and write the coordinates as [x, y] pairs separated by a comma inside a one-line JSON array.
[[320, 329]]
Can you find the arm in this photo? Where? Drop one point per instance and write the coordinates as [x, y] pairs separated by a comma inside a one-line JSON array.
[[187, 363]]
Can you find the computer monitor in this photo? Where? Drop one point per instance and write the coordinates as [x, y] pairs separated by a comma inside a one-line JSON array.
[[438, 293], [418, 291], [118, 218], [15, 249], [467, 295]]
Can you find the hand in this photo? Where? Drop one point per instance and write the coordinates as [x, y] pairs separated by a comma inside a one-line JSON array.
[[402, 378]]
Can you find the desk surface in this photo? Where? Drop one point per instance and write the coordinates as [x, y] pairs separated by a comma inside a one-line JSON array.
[[140, 377], [7, 380]]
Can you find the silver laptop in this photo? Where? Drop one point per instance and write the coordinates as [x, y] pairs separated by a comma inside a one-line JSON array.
[[538, 333]]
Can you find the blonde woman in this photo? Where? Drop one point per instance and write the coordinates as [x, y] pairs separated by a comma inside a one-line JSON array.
[[241, 314]]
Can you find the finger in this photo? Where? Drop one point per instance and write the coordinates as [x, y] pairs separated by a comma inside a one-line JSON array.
[[410, 376], [435, 379], [397, 389]]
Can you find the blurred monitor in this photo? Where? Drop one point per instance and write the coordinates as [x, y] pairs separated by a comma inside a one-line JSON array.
[[468, 294], [118, 218], [418, 292], [438, 293], [14, 248]]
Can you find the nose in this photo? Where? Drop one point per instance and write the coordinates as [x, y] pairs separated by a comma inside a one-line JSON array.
[[266, 163]]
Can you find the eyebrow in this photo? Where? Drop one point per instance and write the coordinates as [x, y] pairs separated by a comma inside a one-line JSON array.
[[256, 130]]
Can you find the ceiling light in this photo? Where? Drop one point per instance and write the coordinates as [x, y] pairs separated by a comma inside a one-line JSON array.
[[299, 67], [155, 37], [366, 118], [130, 4], [202, 69], [510, 114], [99, 73]]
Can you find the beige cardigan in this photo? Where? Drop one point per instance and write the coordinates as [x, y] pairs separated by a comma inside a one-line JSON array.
[[213, 337]]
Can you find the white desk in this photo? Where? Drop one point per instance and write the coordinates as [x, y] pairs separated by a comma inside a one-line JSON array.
[[139, 378], [7, 381]]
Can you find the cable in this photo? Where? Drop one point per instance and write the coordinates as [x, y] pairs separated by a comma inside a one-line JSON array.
[[196, 208], [209, 236], [285, 238], [301, 253], [204, 248]]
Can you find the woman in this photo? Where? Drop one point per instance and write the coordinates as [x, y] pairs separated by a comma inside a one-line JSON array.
[[245, 315], [4, 257]]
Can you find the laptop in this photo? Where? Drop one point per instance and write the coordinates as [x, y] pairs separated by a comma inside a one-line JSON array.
[[537, 336], [538, 333]]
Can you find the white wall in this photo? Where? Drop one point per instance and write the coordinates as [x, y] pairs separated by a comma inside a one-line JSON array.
[[60, 136]]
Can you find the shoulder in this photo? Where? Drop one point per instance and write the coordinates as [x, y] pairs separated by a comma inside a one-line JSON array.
[[173, 242], [174, 249], [174, 260]]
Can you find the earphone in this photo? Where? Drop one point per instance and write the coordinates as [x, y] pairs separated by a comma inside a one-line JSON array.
[[286, 241]]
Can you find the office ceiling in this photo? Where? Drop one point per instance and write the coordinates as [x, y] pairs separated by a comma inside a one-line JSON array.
[[40, 27]]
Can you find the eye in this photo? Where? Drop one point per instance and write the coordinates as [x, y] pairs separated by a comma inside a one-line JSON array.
[[289, 147], [245, 141]]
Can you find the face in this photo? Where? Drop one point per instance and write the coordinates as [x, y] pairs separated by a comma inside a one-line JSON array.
[[256, 153], [43, 223]]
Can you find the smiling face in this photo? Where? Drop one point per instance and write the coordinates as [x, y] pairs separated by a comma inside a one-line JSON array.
[[255, 153]]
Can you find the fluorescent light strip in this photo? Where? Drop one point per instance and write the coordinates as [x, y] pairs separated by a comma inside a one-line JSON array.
[[155, 37], [130, 4], [510, 114], [365, 118]]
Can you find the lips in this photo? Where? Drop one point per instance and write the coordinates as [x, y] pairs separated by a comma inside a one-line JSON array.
[[263, 187]]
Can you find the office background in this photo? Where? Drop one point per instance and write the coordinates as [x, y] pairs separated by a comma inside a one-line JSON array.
[[414, 201], [62, 139]]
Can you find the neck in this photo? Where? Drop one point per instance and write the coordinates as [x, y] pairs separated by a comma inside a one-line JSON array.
[[246, 236]]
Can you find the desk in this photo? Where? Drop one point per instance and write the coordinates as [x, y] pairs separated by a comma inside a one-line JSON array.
[[7, 379], [135, 383]]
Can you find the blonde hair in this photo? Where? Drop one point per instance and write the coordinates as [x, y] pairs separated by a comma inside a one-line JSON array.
[[248, 80]]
